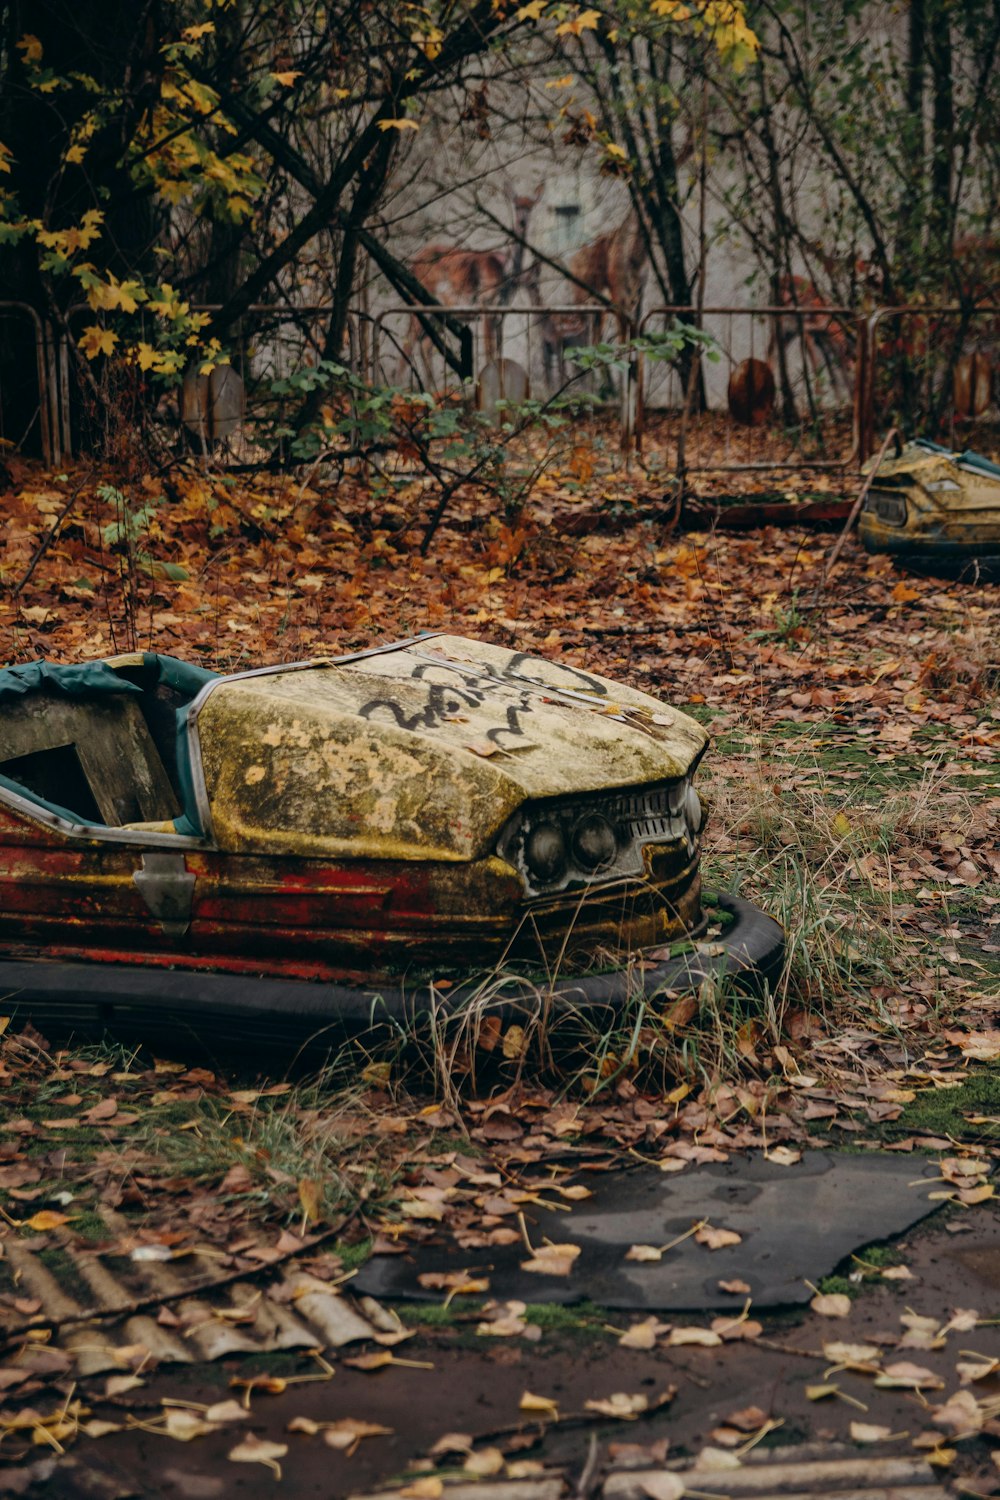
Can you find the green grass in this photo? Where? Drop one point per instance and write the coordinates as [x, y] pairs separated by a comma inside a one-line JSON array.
[[581, 1321], [87, 1224], [304, 1136], [943, 1112], [353, 1257], [877, 1257]]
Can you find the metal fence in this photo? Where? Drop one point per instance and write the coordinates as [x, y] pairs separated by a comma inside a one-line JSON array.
[[937, 365], [822, 383], [270, 343], [783, 380], [413, 346], [34, 386]]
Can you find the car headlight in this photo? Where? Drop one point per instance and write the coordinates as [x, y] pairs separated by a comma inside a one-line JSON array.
[[600, 837], [594, 842], [545, 852], [693, 815], [677, 797], [887, 506]]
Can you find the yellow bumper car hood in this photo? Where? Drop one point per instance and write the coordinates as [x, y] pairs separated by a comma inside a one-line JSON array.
[[419, 751]]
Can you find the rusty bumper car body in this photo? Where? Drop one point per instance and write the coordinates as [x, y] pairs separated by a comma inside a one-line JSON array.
[[339, 837], [936, 511]]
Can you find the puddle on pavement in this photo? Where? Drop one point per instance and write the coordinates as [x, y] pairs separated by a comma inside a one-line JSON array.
[[795, 1223]]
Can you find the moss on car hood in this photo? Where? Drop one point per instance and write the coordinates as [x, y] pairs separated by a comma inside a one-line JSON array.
[[421, 751]]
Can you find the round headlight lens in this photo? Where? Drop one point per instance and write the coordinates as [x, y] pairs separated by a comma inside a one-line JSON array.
[[594, 842], [693, 815], [677, 797], [545, 852]]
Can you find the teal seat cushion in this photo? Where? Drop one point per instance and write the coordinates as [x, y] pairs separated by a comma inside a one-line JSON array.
[[978, 461], [91, 679], [95, 679]]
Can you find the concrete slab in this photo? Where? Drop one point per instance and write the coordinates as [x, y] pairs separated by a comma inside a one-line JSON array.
[[796, 1224]]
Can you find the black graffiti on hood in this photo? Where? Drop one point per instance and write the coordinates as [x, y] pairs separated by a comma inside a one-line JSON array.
[[471, 689]]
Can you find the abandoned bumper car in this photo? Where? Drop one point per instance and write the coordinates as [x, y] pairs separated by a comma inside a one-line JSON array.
[[336, 840], [935, 511]]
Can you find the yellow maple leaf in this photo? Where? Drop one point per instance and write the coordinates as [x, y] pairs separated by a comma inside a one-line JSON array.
[[144, 355], [532, 11], [195, 33], [31, 47], [671, 10], [586, 21], [429, 42], [398, 125], [287, 79], [613, 149], [96, 340], [540, 1405], [6, 157], [736, 42]]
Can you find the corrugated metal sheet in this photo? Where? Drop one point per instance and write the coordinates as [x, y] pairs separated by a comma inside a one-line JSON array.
[[91, 1300]]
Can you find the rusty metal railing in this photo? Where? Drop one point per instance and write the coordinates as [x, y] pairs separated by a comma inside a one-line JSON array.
[[541, 324], [816, 378], [48, 384], [923, 359], [383, 350]]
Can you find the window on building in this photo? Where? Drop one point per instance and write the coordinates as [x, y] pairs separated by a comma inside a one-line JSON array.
[[567, 226]]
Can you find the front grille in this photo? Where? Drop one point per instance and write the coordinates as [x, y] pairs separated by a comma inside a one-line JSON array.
[[574, 927], [644, 815]]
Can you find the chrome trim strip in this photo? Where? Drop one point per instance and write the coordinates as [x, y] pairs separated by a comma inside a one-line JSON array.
[[99, 831]]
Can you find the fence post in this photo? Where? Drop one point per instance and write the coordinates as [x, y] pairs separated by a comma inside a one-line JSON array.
[[630, 386]]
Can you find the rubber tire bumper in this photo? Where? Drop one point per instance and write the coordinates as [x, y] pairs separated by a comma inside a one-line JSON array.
[[227, 1013]]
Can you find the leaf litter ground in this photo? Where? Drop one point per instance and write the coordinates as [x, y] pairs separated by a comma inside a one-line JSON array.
[[855, 790]]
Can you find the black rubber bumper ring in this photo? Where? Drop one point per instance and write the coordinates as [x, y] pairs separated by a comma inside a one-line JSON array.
[[246, 1013]]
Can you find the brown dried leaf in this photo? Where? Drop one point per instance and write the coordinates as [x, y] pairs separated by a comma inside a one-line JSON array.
[[484, 1463], [539, 1406], [621, 1405], [643, 1335], [255, 1450], [703, 1337], [552, 1260], [831, 1304], [870, 1432], [906, 1376], [717, 1239], [347, 1433], [961, 1415]]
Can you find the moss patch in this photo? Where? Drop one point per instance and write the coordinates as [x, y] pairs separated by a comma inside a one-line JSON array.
[[954, 1112], [584, 1320], [840, 1284]]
